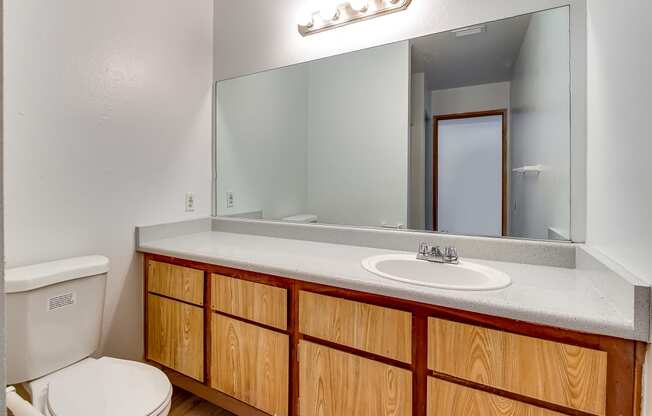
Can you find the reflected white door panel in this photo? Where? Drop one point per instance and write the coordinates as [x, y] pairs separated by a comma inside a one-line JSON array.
[[470, 175]]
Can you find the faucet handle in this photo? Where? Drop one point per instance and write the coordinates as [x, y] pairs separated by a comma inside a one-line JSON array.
[[450, 255], [424, 248], [436, 252]]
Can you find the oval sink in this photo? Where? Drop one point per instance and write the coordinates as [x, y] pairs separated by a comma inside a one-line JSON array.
[[463, 276]]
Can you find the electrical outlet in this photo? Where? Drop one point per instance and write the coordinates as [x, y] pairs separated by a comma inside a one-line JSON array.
[[190, 202], [230, 201]]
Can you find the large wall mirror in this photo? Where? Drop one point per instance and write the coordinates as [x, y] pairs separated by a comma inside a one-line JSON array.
[[464, 132]]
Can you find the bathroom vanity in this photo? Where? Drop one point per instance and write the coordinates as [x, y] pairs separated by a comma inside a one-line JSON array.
[[248, 322]]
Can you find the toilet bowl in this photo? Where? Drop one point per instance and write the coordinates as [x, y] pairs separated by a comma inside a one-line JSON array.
[[103, 387], [54, 316]]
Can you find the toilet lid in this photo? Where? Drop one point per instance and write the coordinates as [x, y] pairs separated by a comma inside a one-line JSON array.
[[109, 387]]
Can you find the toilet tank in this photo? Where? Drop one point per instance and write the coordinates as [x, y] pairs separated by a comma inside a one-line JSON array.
[[54, 315]]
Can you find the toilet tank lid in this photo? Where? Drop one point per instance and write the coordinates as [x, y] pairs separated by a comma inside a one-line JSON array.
[[23, 279]]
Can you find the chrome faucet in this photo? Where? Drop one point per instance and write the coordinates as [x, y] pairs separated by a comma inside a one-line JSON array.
[[435, 254]]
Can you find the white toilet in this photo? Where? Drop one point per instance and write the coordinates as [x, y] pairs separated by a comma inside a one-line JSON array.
[[301, 219], [54, 320]]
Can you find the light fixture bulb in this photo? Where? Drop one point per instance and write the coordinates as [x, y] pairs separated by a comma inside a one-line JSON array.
[[329, 10], [305, 17], [394, 2], [359, 5]]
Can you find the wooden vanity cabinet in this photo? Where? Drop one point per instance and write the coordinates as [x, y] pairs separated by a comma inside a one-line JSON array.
[[175, 333], [450, 399], [256, 302], [370, 328], [553, 372], [261, 345], [251, 364], [176, 282], [334, 383]]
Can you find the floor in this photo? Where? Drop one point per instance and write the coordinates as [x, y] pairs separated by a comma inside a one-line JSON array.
[[186, 404]]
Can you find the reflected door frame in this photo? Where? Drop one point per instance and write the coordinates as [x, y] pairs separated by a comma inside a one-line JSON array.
[[435, 160]]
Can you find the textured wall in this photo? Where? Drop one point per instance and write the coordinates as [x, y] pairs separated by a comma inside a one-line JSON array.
[[540, 128], [108, 125]]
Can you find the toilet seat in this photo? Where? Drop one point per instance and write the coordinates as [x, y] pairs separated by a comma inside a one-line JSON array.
[[109, 387]]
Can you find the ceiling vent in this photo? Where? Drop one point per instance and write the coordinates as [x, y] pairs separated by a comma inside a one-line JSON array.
[[470, 31]]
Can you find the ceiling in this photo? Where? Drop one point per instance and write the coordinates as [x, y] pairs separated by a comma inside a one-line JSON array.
[[450, 62]]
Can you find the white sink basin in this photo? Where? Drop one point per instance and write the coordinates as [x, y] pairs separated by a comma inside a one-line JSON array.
[[463, 276]]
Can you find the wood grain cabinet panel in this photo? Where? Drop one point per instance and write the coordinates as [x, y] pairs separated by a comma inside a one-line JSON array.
[[175, 335], [251, 364], [383, 331], [182, 283], [256, 302], [567, 375], [334, 383], [448, 399]]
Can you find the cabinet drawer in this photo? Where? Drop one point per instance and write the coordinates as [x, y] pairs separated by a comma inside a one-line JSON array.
[[177, 282], [370, 328], [175, 335], [562, 374], [256, 302], [251, 364], [334, 383], [450, 399]]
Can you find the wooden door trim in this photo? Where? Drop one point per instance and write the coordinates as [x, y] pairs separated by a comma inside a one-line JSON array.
[[435, 160]]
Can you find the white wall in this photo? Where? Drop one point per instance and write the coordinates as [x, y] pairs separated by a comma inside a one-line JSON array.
[[262, 146], [267, 37], [620, 181], [108, 125], [540, 128], [417, 147], [358, 137], [291, 139], [483, 97], [619, 144]]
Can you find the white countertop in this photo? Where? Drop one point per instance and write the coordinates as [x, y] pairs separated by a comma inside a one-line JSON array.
[[559, 297]]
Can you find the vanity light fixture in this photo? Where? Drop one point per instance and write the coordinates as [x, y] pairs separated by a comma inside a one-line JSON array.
[[360, 6], [335, 13], [329, 11], [305, 18]]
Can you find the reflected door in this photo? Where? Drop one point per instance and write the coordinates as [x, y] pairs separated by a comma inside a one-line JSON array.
[[469, 168]]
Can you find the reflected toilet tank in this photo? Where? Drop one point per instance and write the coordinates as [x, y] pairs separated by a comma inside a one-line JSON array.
[[301, 219]]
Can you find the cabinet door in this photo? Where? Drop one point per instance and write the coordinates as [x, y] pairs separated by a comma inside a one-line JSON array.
[[335, 383], [562, 374], [178, 282], [249, 300], [175, 335], [370, 328], [251, 364], [448, 399]]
